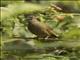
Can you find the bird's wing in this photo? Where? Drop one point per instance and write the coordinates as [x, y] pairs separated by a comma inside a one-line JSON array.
[[40, 27], [50, 31]]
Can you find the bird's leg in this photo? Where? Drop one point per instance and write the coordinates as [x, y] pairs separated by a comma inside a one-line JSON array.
[[46, 38]]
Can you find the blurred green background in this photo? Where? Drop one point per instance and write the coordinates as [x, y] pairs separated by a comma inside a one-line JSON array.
[[14, 32]]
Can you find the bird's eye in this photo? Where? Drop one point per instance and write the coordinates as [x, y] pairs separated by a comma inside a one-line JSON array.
[[38, 19]]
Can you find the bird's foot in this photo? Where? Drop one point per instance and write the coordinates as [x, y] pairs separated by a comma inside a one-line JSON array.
[[46, 38]]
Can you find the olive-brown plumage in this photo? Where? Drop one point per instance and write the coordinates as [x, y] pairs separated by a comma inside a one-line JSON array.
[[40, 29]]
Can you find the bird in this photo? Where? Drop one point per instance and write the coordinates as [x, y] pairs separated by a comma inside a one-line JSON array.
[[40, 29]]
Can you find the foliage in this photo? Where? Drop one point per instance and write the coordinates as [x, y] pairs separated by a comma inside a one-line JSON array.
[[14, 32]]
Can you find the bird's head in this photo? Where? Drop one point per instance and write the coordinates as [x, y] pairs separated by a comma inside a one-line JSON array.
[[31, 17], [28, 16]]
